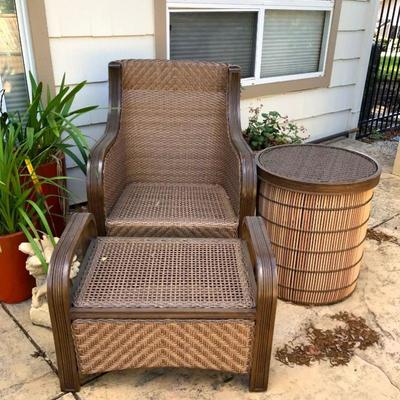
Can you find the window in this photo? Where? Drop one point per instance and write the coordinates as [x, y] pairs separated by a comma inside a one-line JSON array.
[[215, 36], [292, 42], [13, 65], [272, 40]]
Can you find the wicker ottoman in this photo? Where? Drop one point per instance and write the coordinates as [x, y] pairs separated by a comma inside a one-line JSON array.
[[162, 302], [315, 201]]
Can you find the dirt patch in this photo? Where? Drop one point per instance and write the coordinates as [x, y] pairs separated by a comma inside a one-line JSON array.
[[335, 345], [381, 237], [379, 136], [38, 353]]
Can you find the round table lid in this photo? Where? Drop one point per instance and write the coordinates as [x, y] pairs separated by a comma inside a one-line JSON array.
[[318, 168]]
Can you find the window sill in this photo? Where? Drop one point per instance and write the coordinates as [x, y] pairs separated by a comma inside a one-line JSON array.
[[252, 88], [280, 79]]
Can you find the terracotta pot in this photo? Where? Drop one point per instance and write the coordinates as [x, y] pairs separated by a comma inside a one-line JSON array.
[[55, 202], [15, 282]]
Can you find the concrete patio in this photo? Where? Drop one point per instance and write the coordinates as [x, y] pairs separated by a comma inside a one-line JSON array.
[[28, 368]]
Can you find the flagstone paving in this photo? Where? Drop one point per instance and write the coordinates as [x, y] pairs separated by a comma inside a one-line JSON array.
[[28, 368]]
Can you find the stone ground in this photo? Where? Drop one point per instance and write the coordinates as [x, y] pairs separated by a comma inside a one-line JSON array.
[[28, 369]]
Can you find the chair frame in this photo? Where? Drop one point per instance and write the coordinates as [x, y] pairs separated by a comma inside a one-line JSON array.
[[75, 241], [95, 177]]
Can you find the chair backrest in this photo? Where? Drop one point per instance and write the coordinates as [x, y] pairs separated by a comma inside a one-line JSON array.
[[174, 120]]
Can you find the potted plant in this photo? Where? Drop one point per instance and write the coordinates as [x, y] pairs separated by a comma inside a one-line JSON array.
[[272, 130], [19, 215], [50, 133]]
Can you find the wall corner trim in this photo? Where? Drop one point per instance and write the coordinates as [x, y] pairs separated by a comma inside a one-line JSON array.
[[160, 28], [41, 43]]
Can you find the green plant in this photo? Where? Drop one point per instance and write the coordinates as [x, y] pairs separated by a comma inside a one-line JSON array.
[[22, 205], [48, 127], [382, 44], [7, 7], [271, 130], [388, 66], [376, 134], [13, 193], [33, 234]]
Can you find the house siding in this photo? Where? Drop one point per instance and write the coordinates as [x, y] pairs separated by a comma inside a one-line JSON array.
[[85, 35], [335, 109]]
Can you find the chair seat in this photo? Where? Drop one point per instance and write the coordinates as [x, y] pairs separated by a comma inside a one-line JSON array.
[[166, 273], [173, 210]]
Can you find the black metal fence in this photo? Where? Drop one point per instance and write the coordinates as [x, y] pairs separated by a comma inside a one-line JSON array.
[[380, 110]]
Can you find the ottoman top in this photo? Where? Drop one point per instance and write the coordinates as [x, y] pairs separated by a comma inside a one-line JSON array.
[[318, 168]]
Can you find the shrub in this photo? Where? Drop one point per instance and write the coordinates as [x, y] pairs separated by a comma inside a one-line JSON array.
[[272, 130]]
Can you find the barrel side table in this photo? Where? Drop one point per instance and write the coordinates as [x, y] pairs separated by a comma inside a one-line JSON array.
[[315, 201]]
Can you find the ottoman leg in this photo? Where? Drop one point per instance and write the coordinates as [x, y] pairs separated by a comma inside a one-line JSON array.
[[61, 325], [262, 348], [68, 373], [75, 240], [254, 232]]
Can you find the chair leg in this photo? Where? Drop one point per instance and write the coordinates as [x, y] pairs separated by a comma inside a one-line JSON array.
[[256, 236], [262, 348], [69, 378], [74, 241], [68, 372], [67, 366]]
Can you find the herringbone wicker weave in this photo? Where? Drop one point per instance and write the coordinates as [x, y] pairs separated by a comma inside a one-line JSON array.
[[165, 273], [174, 131], [108, 345]]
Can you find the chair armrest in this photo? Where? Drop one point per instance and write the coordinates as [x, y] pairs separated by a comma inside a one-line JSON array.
[[262, 258], [247, 162], [96, 164], [95, 170], [255, 234], [74, 241]]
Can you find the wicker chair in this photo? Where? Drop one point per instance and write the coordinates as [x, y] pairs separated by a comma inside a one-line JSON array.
[[173, 161], [162, 302]]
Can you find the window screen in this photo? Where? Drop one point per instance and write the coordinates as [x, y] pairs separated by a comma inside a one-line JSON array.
[[12, 70], [292, 42], [228, 37]]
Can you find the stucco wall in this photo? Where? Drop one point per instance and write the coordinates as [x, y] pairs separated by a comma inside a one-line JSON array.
[[86, 35]]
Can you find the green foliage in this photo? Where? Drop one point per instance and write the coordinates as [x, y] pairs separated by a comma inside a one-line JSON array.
[[22, 206], [376, 134], [16, 187], [382, 44], [7, 7], [32, 234], [13, 193], [272, 130], [389, 66], [48, 128], [44, 131]]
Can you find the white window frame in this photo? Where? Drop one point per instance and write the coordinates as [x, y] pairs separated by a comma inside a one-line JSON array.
[[26, 46], [261, 7]]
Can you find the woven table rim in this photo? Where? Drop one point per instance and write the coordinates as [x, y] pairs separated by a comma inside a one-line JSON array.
[[363, 184]]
